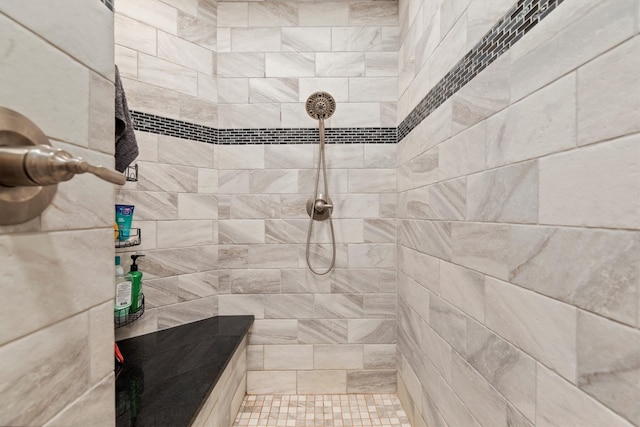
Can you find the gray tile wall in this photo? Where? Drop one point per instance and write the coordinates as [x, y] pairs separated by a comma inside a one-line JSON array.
[[518, 233], [224, 226], [57, 276]]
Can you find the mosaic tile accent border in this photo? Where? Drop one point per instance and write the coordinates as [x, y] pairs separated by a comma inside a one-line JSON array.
[[180, 129], [517, 22]]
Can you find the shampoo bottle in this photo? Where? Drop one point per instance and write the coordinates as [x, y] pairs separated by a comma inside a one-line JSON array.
[[136, 284], [123, 291]]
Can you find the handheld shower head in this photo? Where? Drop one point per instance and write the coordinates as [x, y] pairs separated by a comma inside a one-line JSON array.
[[320, 105]]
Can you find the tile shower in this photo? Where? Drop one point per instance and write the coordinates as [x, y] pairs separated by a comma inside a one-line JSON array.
[[487, 254]]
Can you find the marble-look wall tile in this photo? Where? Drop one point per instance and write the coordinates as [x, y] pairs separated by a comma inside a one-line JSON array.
[[241, 231], [463, 288], [232, 91], [441, 244], [306, 39], [242, 305], [272, 331], [585, 187], [96, 404], [288, 156], [485, 95], [273, 14], [372, 255], [166, 178], [515, 134], [187, 311], [339, 64], [379, 156], [240, 64], [337, 178], [356, 39], [356, 206], [482, 400], [325, 14], [233, 256], [373, 89], [184, 233], [449, 322], [338, 356], [371, 381], [368, 13], [559, 402], [232, 182], [255, 281], [288, 357], [448, 199], [255, 357], [590, 268], [286, 231], [273, 181], [273, 256], [32, 380], [379, 356], [178, 51], [197, 206], [290, 64], [134, 34], [292, 306], [233, 14], [596, 87], [507, 368], [481, 247], [322, 381], [160, 72], [303, 281], [616, 21], [150, 205], [255, 206], [380, 306], [255, 39], [379, 230], [173, 262], [388, 205], [463, 154], [271, 382], [372, 180], [338, 87], [419, 171], [544, 328], [507, 194], [240, 157], [372, 331], [346, 306], [323, 331], [413, 295], [200, 285], [381, 63], [609, 364]]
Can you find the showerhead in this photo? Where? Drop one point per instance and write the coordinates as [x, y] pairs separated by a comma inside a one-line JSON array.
[[320, 105]]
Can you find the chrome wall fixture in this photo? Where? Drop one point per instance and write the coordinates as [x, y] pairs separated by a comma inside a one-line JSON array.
[[320, 106], [30, 169]]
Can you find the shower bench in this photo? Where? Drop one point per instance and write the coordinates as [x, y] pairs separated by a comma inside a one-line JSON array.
[[190, 375]]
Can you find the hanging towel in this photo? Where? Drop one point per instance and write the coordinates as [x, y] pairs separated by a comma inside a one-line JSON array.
[[126, 145]]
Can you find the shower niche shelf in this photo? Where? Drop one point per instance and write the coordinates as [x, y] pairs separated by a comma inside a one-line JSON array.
[[122, 317], [134, 238]]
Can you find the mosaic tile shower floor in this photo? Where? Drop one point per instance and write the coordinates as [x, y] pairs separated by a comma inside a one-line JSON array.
[[322, 410]]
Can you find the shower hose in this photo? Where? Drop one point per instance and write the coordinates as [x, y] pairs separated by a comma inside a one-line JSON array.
[[321, 165]]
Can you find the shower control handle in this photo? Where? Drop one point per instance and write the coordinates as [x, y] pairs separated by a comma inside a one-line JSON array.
[[44, 165], [320, 208]]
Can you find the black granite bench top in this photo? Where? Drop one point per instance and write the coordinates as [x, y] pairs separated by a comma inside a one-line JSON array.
[[168, 375]]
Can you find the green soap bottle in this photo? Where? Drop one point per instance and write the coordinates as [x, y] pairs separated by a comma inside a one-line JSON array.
[[136, 284]]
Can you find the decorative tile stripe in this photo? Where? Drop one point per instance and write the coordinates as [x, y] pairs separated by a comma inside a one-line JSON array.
[[180, 129], [518, 21], [171, 127], [108, 3]]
